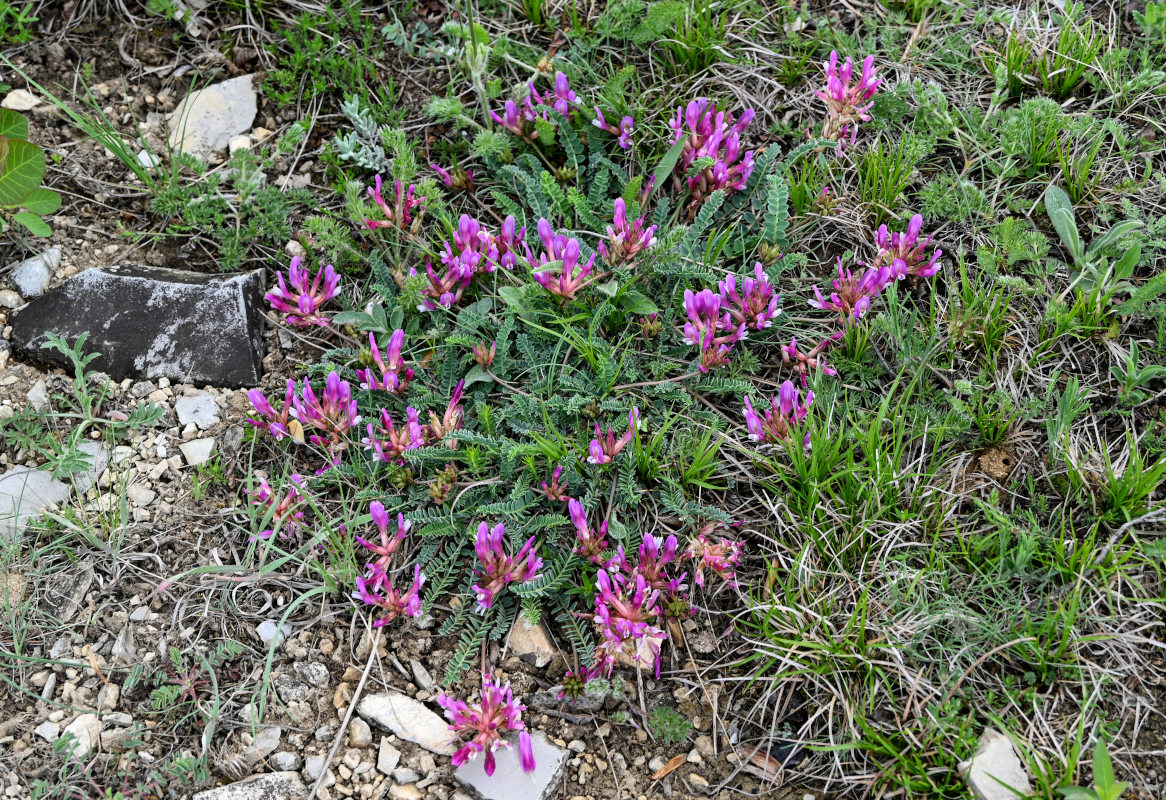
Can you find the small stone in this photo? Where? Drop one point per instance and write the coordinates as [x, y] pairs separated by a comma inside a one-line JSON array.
[[270, 786], [421, 676], [531, 643], [314, 673], [197, 451], [140, 614], [314, 766], [285, 761], [118, 718], [267, 740], [20, 100], [694, 757], [201, 410], [38, 396], [404, 792], [409, 719], [996, 772], [48, 731], [9, 299], [656, 764], [240, 142], [295, 249], [576, 746], [269, 632], [324, 733], [387, 757], [148, 160], [209, 119], [704, 744], [698, 781], [141, 495], [86, 731], [124, 649], [359, 733], [32, 276], [107, 696], [405, 775]]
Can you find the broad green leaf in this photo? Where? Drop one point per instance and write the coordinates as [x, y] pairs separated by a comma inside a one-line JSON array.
[[1124, 267], [667, 164], [357, 318], [512, 296], [42, 201], [36, 226], [475, 375], [1112, 235], [609, 288], [637, 303], [12, 124], [1060, 211], [22, 172]]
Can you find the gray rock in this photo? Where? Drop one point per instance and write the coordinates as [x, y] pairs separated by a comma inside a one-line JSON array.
[[267, 740], [995, 768], [387, 757], [285, 761], [405, 775], [271, 786], [24, 492], [31, 277], [65, 593], [124, 650], [421, 676], [20, 100], [324, 733], [140, 614], [86, 731], [207, 120], [9, 299], [531, 643], [509, 781], [141, 495], [269, 631], [656, 764], [410, 719], [549, 698], [38, 396], [314, 673], [151, 322], [359, 733], [49, 731], [290, 690], [200, 409], [576, 746], [197, 451]]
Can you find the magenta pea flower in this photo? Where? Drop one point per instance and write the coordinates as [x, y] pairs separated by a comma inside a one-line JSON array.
[[904, 253], [274, 422], [622, 131], [451, 420], [719, 557], [804, 363], [302, 301], [485, 723], [564, 251], [756, 305], [390, 541], [555, 492], [473, 251], [605, 447], [518, 120], [588, 544], [389, 443], [498, 568], [852, 293], [333, 413], [561, 98], [484, 355], [714, 334], [394, 375], [376, 589], [507, 241], [624, 612], [456, 178], [786, 414], [401, 214], [625, 240], [714, 135], [846, 104], [286, 512]]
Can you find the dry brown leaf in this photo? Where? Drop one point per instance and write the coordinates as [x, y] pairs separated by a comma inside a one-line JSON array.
[[764, 766], [670, 767]]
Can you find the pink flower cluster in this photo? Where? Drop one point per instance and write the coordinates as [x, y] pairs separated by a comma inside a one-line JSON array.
[[622, 132], [474, 251], [589, 544], [756, 304], [711, 331], [804, 363], [853, 293], [456, 178], [394, 376], [485, 723], [389, 443], [375, 588], [719, 557], [561, 250], [625, 609], [605, 446], [520, 120], [498, 568], [286, 513], [782, 419], [710, 136], [332, 414], [302, 301], [400, 214], [625, 240], [904, 253], [846, 104]]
